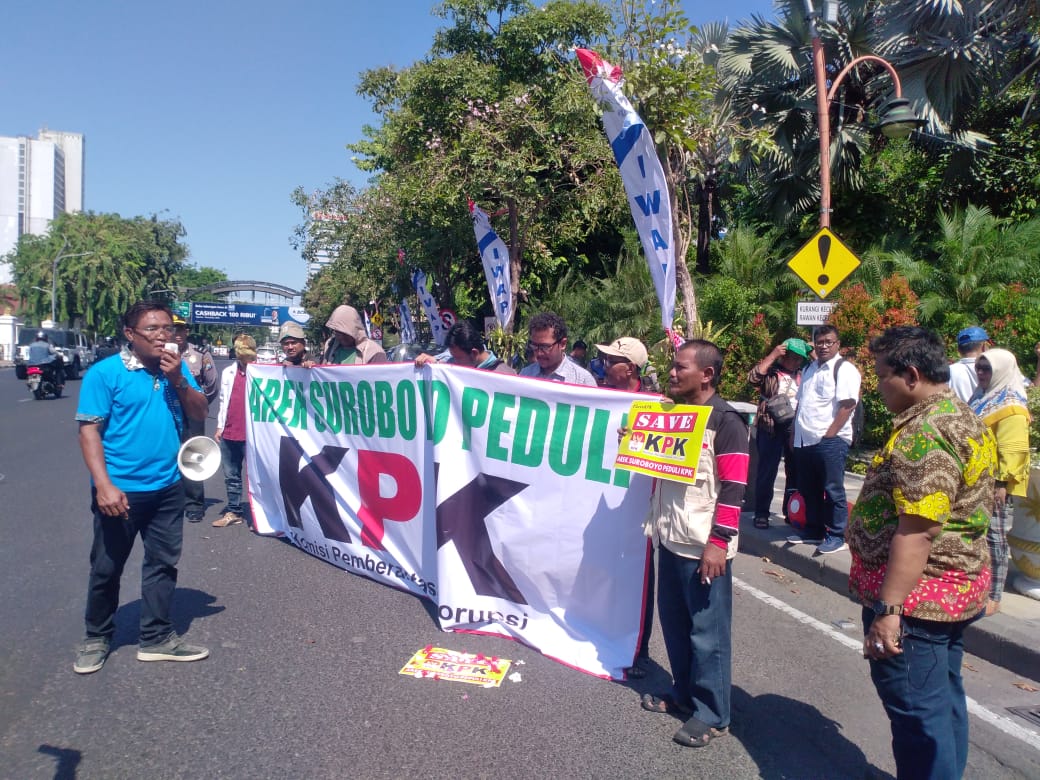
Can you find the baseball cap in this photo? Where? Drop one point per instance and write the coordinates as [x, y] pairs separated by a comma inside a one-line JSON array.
[[178, 320], [291, 330], [974, 333], [798, 347], [626, 347]]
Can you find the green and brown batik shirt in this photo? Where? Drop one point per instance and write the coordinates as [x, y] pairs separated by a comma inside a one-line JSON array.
[[939, 464]]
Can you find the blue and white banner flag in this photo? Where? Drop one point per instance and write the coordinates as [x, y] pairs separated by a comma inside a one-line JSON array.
[[368, 323], [429, 304], [407, 328], [495, 256], [641, 173]]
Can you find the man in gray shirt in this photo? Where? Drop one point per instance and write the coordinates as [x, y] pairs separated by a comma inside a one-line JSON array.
[[547, 334]]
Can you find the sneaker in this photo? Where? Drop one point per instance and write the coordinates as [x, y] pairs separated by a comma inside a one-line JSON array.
[[798, 539], [173, 648], [831, 544], [228, 518], [193, 517], [91, 655]]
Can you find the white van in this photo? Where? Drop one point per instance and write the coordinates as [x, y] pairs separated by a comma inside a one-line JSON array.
[[74, 345]]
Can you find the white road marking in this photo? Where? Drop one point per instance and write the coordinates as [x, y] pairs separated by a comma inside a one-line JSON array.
[[1001, 722]]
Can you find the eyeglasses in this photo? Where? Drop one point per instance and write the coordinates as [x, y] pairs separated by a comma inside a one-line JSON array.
[[543, 347], [151, 330], [829, 343]]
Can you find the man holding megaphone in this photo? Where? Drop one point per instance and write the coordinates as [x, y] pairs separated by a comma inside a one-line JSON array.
[[132, 410]]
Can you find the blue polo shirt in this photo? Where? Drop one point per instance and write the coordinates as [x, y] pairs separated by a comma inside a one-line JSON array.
[[138, 429]]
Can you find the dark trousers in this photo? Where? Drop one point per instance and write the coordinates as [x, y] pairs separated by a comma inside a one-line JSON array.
[[771, 448], [695, 623], [194, 492], [648, 605], [232, 454], [923, 695], [158, 517], [821, 481]]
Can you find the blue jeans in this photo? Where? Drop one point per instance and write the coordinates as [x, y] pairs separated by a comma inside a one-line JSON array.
[[158, 517], [695, 623], [232, 454], [771, 447], [923, 694], [821, 481]]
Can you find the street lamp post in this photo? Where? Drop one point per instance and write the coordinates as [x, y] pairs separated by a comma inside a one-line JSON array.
[[62, 254], [897, 118]]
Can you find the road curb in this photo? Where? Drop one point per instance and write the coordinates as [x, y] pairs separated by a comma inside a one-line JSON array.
[[1008, 642]]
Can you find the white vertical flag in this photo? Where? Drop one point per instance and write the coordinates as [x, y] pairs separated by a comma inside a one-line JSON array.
[[495, 256], [407, 328], [641, 174], [429, 305]]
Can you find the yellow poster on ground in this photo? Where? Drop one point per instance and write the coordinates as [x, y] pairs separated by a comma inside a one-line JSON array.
[[436, 663], [663, 440]]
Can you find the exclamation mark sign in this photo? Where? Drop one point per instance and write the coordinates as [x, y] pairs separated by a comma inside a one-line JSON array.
[[823, 246]]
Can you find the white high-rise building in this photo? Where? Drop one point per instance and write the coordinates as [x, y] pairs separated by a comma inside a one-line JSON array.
[[39, 178]]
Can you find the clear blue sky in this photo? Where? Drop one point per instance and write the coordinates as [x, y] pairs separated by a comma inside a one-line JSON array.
[[212, 112]]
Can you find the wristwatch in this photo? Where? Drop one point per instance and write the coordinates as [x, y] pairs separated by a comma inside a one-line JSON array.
[[182, 383], [881, 608]]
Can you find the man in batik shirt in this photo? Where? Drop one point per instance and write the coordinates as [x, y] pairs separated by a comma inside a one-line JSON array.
[[920, 562]]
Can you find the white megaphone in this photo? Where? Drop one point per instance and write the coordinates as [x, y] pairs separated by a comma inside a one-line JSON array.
[[198, 458]]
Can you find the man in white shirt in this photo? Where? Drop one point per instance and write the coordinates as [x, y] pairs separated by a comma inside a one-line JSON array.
[[547, 334], [971, 342], [827, 398]]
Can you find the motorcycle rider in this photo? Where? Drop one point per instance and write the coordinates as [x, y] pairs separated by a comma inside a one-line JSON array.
[[42, 353]]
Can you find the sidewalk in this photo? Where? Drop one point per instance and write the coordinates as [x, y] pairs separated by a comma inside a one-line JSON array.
[[1010, 639]]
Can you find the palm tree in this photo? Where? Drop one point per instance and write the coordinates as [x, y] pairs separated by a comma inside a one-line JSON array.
[[976, 256], [946, 52]]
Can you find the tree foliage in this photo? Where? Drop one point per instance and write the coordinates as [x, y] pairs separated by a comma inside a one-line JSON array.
[[104, 263], [497, 114]]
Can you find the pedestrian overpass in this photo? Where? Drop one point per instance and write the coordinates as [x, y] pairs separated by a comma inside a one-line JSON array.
[[221, 288]]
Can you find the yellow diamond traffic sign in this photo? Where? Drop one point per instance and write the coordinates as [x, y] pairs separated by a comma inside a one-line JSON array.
[[823, 263]]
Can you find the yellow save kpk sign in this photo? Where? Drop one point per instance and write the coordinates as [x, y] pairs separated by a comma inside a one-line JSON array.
[[823, 263], [663, 440]]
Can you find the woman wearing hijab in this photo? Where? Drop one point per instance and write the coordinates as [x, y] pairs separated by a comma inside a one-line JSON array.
[[1000, 400], [349, 344]]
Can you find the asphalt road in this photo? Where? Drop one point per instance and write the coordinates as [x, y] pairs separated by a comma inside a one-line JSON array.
[[303, 677]]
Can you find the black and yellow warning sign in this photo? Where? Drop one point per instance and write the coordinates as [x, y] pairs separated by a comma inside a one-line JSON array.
[[823, 263]]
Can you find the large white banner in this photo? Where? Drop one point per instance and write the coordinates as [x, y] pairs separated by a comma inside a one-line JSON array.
[[492, 495], [495, 257], [641, 173]]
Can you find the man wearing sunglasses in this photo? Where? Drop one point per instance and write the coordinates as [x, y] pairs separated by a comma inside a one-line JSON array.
[[132, 410], [547, 339]]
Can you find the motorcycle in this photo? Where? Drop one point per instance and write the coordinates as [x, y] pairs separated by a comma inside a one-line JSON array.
[[42, 380]]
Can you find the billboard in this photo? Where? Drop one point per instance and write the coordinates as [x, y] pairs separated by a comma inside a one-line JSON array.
[[247, 314]]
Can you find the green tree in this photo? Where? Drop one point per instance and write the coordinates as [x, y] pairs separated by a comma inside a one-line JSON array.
[[497, 114], [110, 262], [947, 55], [972, 259]]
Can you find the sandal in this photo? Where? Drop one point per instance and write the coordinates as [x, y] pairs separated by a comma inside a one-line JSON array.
[[762, 522], [664, 704], [695, 733]]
